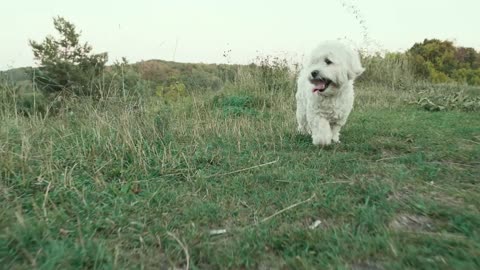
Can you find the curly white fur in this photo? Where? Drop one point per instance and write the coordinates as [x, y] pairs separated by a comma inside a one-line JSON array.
[[325, 91]]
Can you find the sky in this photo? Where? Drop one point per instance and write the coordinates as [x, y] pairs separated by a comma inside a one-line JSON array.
[[203, 30]]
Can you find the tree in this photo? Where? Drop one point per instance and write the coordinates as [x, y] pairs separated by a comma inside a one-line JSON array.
[[440, 53], [65, 64]]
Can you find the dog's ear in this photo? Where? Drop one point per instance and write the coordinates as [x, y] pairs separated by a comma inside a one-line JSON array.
[[356, 68]]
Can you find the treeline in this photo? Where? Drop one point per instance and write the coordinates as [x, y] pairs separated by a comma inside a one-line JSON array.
[[441, 61], [433, 60], [166, 76]]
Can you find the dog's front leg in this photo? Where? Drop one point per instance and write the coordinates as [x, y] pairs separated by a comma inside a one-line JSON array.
[[336, 133], [302, 119], [321, 131]]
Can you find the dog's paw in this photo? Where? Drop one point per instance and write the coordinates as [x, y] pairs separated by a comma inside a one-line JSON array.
[[322, 140]]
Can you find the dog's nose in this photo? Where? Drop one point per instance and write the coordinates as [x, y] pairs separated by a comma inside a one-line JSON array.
[[314, 73]]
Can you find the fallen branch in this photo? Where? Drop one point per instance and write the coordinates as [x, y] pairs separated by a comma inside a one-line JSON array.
[[389, 158], [288, 208], [242, 170], [45, 199]]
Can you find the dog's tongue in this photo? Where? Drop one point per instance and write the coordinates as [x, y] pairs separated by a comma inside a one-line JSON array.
[[319, 86]]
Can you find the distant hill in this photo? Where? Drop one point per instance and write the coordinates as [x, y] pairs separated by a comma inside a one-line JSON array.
[[195, 75], [17, 74], [158, 72]]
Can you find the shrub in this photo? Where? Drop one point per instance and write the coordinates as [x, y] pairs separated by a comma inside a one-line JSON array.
[[172, 92], [65, 64]]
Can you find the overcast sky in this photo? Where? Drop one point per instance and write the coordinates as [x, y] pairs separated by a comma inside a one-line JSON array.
[[202, 30]]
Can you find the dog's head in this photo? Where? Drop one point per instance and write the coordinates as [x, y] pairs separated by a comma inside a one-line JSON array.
[[332, 65]]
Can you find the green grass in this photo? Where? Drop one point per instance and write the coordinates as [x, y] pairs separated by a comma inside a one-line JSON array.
[[115, 186]]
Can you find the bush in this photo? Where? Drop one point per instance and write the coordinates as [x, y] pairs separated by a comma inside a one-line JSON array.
[[172, 92]]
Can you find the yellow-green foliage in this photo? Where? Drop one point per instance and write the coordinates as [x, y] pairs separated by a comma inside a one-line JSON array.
[[195, 77], [173, 92], [468, 76], [434, 75], [441, 61]]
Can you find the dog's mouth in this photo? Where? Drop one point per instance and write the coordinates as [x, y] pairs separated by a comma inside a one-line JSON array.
[[320, 85]]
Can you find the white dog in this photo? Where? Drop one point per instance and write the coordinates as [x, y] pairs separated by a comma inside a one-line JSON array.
[[325, 91]]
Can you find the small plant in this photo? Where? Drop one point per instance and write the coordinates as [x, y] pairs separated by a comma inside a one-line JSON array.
[[236, 105]]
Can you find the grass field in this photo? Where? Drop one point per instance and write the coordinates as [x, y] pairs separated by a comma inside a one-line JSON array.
[[222, 181]]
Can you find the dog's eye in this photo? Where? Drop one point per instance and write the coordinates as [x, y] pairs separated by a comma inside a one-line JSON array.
[[328, 62]]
